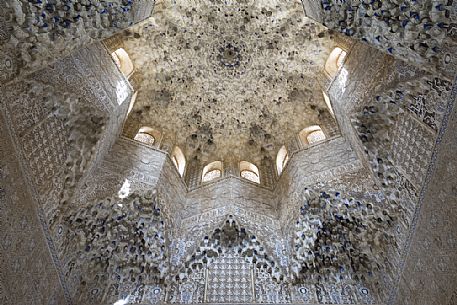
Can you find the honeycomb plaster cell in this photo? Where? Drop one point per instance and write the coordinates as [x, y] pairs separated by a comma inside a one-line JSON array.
[[420, 32], [121, 238], [37, 32], [339, 237]]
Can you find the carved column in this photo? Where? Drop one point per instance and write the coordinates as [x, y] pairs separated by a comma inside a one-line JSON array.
[[267, 171], [231, 167], [193, 173]]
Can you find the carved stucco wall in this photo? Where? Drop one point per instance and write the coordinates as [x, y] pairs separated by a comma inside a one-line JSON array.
[[132, 167], [243, 264], [27, 271], [332, 166], [355, 80], [172, 189], [231, 190], [251, 205], [396, 110], [129, 161], [318, 163], [122, 247], [58, 143], [423, 100], [429, 271], [146, 168]]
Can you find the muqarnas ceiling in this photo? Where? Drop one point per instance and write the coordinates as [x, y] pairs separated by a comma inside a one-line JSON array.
[[221, 79]]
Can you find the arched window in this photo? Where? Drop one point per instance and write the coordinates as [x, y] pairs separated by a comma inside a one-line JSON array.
[[147, 136], [179, 160], [123, 62], [249, 171], [335, 62], [329, 105], [281, 159], [311, 135], [212, 171]]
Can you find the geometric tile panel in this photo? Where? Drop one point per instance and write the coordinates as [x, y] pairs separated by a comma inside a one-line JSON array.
[[45, 149], [27, 272], [233, 272], [26, 110], [412, 145], [429, 274]]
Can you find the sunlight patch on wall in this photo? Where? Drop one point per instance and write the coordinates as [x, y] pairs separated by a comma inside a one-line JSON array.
[[125, 189], [122, 92], [343, 78], [122, 302]]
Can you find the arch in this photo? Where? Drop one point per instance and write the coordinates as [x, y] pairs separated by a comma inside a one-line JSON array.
[[335, 62], [212, 171], [148, 136], [281, 159], [329, 105], [228, 235], [311, 135], [123, 62], [179, 160], [249, 171]]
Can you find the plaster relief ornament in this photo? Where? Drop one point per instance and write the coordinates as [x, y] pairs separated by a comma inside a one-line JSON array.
[[229, 58]]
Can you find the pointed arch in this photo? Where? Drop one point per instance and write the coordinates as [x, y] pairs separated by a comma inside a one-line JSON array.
[[226, 235], [212, 171], [312, 134], [148, 135], [335, 62], [123, 62], [249, 171]]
